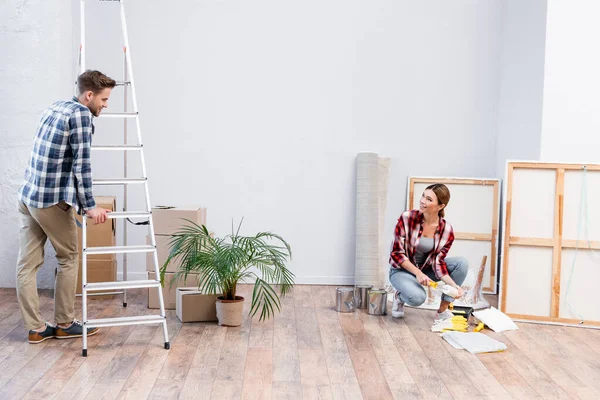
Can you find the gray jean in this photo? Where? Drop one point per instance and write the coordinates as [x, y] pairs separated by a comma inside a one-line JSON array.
[[410, 290]]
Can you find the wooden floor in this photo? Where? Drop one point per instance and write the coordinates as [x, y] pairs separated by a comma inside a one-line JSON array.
[[308, 351]]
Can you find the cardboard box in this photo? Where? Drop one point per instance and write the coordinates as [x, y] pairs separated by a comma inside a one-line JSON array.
[[193, 306], [167, 220], [101, 234], [162, 250], [98, 271], [169, 292]]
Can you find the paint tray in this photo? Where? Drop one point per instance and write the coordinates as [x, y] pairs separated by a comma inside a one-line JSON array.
[[462, 311]]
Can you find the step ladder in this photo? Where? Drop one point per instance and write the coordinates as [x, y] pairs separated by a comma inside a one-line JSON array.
[[121, 286]]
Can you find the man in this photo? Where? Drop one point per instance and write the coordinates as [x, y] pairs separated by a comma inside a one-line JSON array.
[[58, 180]]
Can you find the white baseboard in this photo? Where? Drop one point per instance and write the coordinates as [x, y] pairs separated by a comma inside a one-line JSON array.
[[299, 280]]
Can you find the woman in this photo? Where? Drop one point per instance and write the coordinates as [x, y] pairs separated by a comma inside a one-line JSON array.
[[418, 256]]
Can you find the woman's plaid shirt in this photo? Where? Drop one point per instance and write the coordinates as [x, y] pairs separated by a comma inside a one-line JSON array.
[[59, 167], [408, 232]]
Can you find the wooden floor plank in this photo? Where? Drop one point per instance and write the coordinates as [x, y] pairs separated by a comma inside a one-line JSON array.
[[397, 375], [227, 390], [342, 377], [528, 369], [286, 358], [261, 333], [232, 362], [314, 375], [203, 370], [308, 350], [287, 391], [507, 376], [307, 327], [423, 372], [171, 379], [46, 373], [475, 371], [258, 374], [143, 376], [303, 296], [453, 377], [117, 372], [368, 371], [17, 352], [91, 369], [550, 364], [323, 296], [584, 378]]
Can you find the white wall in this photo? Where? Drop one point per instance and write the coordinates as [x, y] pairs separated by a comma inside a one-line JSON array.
[[257, 109], [571, 118], [521, 82], [35, 42]]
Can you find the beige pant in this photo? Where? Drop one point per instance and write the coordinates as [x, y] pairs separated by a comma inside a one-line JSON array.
[[56, 223]]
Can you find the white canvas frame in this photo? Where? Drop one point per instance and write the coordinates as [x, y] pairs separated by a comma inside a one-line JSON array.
[[488, 241]]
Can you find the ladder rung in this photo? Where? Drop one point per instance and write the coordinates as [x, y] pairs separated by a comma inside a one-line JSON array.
[[123, 83], [122, 285], [128, 214], [119, 249], [119, 321], [121, 181], [119, 115], [118, 147]]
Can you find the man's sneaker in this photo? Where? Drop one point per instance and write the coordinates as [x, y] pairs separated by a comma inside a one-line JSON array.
[[73, 331], [444, 315], [397, 307], [39, 337]]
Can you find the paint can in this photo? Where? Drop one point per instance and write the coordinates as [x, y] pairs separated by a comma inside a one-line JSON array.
[[344, 299], [377, 302], [361, 298]]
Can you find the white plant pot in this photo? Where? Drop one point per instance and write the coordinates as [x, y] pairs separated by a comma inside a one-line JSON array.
[[229, 312]]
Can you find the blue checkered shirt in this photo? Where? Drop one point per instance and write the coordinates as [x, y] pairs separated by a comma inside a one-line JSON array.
[[60, 168]]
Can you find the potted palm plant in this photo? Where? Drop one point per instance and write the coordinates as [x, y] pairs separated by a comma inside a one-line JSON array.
[[223, 263]]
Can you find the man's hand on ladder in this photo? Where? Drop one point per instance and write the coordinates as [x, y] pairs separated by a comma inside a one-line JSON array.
[[98, 214]]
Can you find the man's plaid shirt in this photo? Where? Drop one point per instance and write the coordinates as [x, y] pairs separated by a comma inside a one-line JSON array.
[[59, 167], [408, 232]]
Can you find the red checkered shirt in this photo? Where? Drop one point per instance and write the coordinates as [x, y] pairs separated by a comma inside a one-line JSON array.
[[408, 232]]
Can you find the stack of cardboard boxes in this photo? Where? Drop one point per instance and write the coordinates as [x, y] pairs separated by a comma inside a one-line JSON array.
[[191, 305], [100, 267], [168, 220]]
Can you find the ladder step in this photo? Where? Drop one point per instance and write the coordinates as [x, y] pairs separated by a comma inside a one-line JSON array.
[[128, 214], [119, 249], [122, 285], [121, 181], [119, 115], [123, 83], [118, 147], [119, 321]]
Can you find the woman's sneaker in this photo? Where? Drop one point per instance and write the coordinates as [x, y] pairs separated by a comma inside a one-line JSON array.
[[39, 337], [444, 315], [397, 307], [73, 331]]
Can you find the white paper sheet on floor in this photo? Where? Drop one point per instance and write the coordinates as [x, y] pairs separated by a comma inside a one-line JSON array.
[[496, 320], [473, 342]]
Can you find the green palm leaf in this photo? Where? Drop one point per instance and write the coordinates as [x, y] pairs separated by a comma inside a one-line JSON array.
[[224, 262]]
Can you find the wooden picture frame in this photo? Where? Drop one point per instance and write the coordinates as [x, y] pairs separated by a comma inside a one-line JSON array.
[[484, 238], [542, 227]]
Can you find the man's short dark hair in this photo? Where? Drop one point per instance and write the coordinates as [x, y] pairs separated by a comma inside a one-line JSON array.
[[95, 81]]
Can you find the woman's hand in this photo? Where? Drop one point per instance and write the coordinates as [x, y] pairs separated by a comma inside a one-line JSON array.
[[423, 279], [461, 292]]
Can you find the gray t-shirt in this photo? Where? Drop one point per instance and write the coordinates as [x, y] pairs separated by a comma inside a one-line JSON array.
[[425, 246]]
